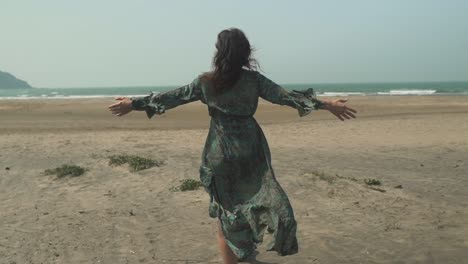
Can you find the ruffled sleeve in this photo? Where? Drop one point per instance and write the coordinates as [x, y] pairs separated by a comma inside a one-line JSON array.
[[159, 102], [305, 101]]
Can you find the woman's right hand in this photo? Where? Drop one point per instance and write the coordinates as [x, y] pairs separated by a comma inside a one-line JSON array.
[[339, 109], [123, 107]]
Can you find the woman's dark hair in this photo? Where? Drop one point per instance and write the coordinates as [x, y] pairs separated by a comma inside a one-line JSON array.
[[233, 52]]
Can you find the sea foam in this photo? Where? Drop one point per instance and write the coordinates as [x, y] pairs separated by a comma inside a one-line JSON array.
[[408, 92]]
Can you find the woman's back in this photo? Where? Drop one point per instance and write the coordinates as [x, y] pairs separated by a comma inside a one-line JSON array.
[[241, 99]]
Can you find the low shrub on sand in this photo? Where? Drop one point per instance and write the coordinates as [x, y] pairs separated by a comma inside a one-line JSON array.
[[324, 176], [371, 182], [66, 169], [187, 185], [135, 163]]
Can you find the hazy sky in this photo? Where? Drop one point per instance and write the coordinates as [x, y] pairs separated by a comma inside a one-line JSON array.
[[71, 43]]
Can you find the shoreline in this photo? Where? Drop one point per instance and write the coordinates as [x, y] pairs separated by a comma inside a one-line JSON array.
[[34, 116], [338, 94]]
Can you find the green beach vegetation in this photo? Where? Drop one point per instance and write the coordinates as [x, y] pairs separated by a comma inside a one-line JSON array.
[[187, 185], [136, 163], [66, 170]]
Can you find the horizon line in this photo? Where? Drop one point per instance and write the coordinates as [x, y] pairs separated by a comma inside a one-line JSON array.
[[282, 84]]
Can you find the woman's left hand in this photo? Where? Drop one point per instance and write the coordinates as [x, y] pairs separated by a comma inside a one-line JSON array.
[[339, 109], [123, 107]]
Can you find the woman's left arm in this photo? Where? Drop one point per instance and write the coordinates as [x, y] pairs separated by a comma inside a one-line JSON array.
[[157, 102]]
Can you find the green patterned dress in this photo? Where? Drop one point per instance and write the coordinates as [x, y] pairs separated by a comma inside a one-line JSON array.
[[236, 166]]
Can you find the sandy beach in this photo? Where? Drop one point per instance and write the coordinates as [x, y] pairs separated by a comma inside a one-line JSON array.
[[418, 144]]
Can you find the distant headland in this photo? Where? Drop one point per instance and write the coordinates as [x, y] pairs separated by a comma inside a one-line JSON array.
[[8, 81]]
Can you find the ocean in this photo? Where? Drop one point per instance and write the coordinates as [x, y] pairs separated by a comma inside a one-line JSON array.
[[323, 89]]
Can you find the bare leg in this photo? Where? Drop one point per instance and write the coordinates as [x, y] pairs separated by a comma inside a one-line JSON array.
[[226, 252]]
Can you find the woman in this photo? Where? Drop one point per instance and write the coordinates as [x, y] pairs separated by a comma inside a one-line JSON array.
[[236, 164]]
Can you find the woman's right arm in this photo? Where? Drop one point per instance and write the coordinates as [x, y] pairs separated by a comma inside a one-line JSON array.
[[339, 109], [304, 101]]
